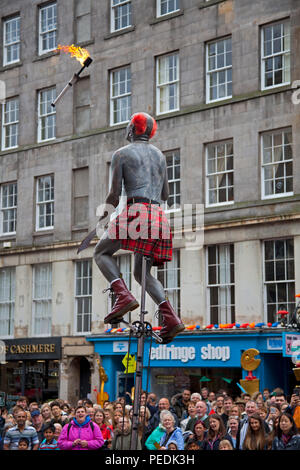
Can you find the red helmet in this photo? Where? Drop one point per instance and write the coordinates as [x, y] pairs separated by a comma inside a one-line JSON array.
[[141, 125]]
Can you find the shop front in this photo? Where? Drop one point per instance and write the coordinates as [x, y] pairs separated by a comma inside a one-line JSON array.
[[30, 367], [194, 360]]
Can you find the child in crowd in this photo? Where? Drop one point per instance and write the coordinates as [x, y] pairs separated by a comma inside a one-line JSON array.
[[23, 444], [192, 445], [172, 445], [49, 443], [225, 445]]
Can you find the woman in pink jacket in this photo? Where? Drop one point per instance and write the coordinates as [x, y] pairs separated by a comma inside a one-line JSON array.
[[81, 433]]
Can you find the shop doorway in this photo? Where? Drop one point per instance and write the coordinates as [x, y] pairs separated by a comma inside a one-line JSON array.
[[125, 382], [84, 377]]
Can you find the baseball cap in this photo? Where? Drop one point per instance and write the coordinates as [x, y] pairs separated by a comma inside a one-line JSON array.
[[35, 413]]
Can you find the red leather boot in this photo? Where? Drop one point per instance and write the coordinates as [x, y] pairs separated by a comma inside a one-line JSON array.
[[125, 302], [172, 325]]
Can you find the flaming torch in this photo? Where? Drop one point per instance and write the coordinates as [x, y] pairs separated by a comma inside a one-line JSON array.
[[83, 56]]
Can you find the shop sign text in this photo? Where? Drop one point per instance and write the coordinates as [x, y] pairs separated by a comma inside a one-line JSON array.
[[185, 353], [173, 353], [218, 353]]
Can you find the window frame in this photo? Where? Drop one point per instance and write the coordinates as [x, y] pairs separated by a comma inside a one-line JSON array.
[[285, 281], [18, 42], [224, 172], [88, 296], [41, 51], [46, 300], [116, 98], [38, 203], [217, 70], [167, 84], [14, 208], [228, 285], [113, 9], [273, 164], [11, 272], [172, 153], [283, 53], [158, 9], [6, 125], [47, 115]]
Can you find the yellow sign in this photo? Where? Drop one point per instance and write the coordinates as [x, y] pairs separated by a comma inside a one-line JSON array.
[[129, 363]]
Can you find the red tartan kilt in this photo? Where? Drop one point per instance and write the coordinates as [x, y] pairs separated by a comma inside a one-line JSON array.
[[143, 228]]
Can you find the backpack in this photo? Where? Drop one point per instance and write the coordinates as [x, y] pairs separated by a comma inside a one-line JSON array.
[[70, 424]]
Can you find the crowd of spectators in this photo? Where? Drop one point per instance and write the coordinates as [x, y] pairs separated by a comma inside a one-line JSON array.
[[187, 421]]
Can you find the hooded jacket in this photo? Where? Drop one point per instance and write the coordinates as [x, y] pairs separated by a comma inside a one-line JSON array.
[[176, 437], [82, 431], [155, 436]]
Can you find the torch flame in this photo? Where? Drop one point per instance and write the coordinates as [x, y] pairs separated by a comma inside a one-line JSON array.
[[79, 53]]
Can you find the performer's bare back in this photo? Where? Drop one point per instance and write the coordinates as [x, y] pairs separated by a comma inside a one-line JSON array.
[[142, 168]]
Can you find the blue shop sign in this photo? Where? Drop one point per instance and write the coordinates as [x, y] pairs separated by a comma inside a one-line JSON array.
[[191, 350]]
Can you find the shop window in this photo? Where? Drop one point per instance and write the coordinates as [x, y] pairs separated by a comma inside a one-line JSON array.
[[279, 277], [37, 380], [220, 283], [83, 296], [169, 276]]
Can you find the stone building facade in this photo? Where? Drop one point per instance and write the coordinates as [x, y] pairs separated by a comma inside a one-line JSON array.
[[219, 77]]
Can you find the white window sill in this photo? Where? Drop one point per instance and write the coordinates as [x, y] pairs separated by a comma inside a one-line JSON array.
[[41, 231], [275, 86], [3, 149], [276, 196], [219, 204], [167, 112], [219, 99], [7, 64], [119, 123], [46, 140]]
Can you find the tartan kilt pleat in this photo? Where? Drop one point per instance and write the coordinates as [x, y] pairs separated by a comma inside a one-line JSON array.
[[143, 228]]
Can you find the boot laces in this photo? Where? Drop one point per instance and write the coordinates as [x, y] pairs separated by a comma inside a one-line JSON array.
[[159, 316], [111, 292]]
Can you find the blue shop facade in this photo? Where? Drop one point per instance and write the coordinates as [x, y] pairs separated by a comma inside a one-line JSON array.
[[194, 360]]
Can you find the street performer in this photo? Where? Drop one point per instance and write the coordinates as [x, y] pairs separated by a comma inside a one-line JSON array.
[[142, 226]]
